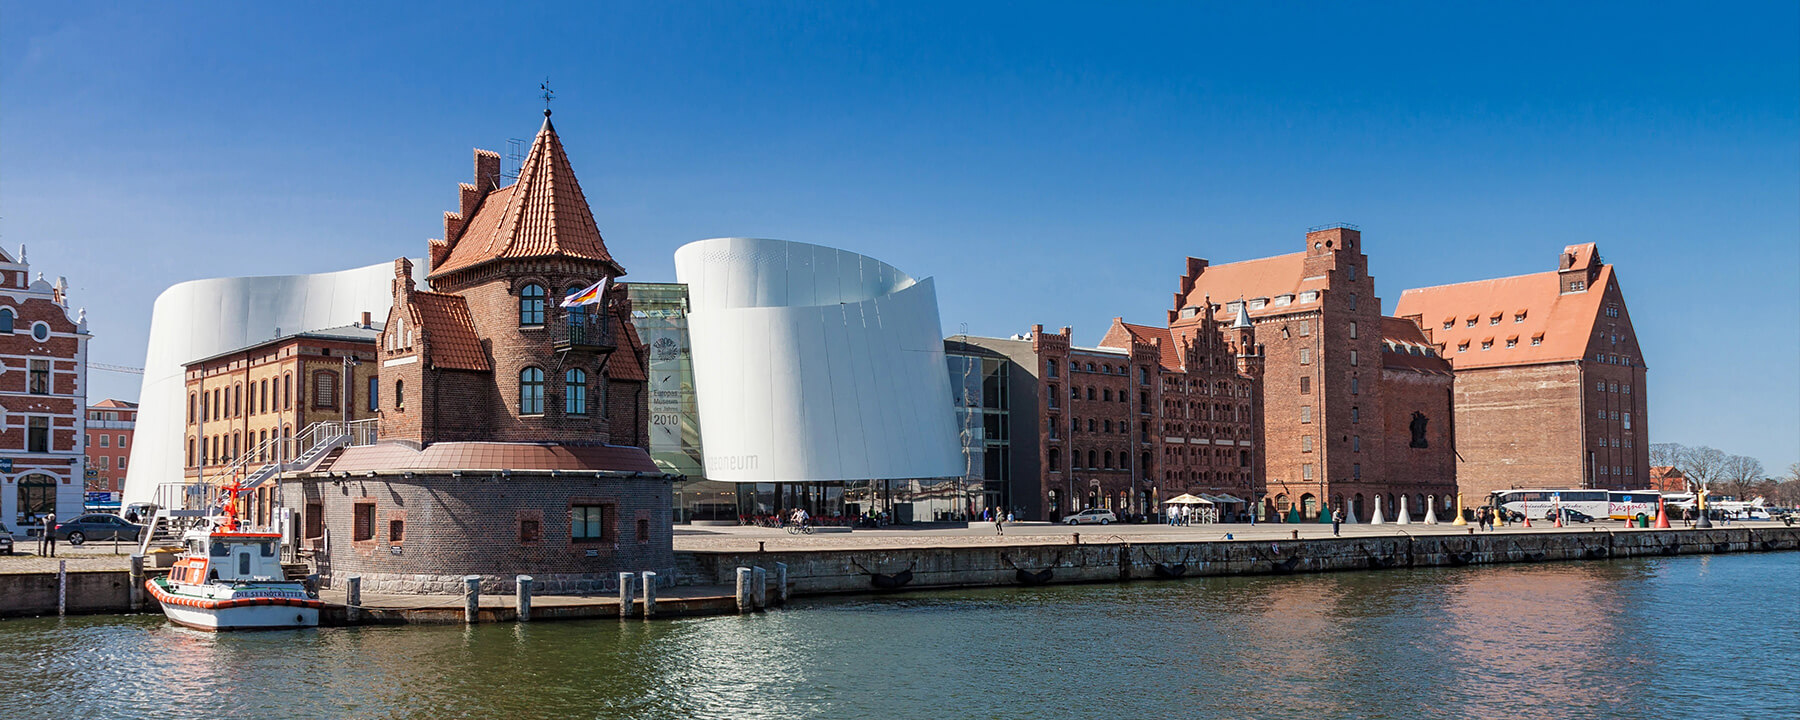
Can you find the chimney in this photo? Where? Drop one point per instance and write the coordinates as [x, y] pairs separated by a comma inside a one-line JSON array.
[[366, 322], [487, 170]]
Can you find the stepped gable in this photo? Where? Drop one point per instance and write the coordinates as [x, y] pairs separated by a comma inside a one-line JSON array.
[[1123, 333], [1555, 327], [543, 214], [449, 331]]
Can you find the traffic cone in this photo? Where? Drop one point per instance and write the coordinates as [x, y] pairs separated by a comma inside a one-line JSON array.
[[1559, 517], [1662, 516], [1527, 516]]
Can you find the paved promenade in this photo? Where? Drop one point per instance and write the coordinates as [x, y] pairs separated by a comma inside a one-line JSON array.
[[745, 539]]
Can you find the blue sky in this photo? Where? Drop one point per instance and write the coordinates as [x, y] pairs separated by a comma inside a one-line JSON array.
[[1046, 163]]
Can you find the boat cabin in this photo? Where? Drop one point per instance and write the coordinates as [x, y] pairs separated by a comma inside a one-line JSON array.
[[230, 557]]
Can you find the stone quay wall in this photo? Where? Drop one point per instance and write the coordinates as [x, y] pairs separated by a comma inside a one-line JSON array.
[[853, 571]]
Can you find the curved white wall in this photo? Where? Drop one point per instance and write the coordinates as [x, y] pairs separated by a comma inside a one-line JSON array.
[[812, 363], [201, 318]]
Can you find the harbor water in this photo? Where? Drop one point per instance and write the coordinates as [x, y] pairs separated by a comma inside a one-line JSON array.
[[1688, 636]]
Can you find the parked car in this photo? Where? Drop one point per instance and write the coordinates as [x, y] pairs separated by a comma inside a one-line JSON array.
[[1091, 516], [6, 541], [97, 526], [1569, 516]]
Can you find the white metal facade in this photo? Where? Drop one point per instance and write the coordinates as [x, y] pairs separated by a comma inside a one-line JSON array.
[[815, 364], [201, 318]]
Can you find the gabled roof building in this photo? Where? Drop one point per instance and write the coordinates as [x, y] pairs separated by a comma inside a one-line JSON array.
[[1550, 380]]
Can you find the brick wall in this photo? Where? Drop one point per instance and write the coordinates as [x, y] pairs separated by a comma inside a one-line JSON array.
[[456, 526], [1494, 404]]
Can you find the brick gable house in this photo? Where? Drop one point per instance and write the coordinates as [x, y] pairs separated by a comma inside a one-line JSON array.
[[1550, 380], [512, 429], [1344, 413], [43, 380]]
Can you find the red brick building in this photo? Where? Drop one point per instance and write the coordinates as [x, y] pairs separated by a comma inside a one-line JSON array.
[[1354, 405], [110, 424], [43, 383], [513, 431], [1550, 381]]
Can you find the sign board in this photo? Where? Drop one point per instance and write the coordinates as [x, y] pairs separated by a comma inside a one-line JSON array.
[[5, 464], [96, 498], [91, 473]]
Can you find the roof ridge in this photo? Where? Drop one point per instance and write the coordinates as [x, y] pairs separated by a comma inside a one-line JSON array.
[[1478, 282]]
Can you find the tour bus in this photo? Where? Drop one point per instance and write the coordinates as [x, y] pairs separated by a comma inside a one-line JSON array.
[[1599, 504]]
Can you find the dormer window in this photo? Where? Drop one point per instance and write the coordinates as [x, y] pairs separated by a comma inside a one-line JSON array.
[[1519, 316], [1495, 320], [1463, 346], [1512, 342], [1537, 339], [1470, 322]]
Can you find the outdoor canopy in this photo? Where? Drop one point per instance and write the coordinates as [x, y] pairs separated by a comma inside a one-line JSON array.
[[1186, 499]]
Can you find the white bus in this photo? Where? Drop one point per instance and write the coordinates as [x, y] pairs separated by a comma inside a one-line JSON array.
[[1598, 504]]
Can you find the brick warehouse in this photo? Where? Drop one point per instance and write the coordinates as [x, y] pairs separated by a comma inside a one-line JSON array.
[[512, 430], [1354, 406], [1550, 381]]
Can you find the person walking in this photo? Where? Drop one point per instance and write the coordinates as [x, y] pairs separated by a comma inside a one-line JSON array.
[[1337, 522], [47, 538], [999, 524]]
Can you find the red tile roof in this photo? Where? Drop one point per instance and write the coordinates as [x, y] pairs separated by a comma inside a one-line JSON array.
[[1404, 347], [626, 362], [1565, 321], [111, 403], [1146, 334], [449, 331], [543, 214], [491, 456], [1260, 278]]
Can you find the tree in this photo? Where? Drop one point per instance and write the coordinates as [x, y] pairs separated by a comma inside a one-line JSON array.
[[1740, 474], [1668, 455], [1702, 464]]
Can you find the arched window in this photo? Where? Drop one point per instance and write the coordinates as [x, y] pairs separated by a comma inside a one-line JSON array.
[[287, 391], [531, 304], [6, 321], [263, 397], [399, 394], [1107, 458], [577, 315], [190, 450], [37, 495], [531, 391], [1091, 459], [575, 392], [191, 404], [1055, 460]]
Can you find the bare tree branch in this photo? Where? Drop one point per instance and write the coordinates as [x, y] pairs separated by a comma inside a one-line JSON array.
[[1740, 474], [1702, 464]]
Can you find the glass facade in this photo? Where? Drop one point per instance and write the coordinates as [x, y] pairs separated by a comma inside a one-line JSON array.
[[983, 418], [659, 313]]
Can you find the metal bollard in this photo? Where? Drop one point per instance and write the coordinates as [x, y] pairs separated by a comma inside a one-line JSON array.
[[472, 601], [62, 587], [649, 594], [523, 597], [761, 587], [352, 599], [781, 585], [744, 599], [625, 601], [137, 582]]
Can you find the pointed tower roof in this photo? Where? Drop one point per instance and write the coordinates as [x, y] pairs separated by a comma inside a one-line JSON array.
[[543, 214], [1242, 322]]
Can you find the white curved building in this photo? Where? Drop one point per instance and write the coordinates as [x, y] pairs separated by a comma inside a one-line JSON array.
[[815, 364], [200, 318]]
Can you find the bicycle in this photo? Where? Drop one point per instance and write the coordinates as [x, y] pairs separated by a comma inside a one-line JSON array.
[[799, 529]]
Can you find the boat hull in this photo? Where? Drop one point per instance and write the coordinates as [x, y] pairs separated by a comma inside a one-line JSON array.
[[237, 613]]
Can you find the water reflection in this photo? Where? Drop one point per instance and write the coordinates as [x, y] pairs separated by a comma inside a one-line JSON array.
[[1562, 640]]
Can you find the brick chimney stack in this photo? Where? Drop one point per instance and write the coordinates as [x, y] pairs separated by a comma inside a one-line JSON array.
[[487, 170]]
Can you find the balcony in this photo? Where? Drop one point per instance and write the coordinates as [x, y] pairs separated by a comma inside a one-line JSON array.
[[587, 331]]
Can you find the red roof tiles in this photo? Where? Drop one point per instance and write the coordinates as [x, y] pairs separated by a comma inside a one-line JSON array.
[[491, 456], [449, 331], [1560, 324], [1260, 278], [1404, 348], [1161, 337], [544, 213]]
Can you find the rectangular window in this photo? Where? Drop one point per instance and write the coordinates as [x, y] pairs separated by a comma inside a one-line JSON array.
[[1352, 331], [1627, 421], [1355, 414], [104, 439], [1352, 358], [37, 434], [362, 525], [1356, 471], [1305, 328], [1305, 385], [324, 389], [396, 531], [103, 459], [1305, 413], [374, 393], [1305, 356], [315, 520], [1306, 471], [1305, 443], [1356, 443], [587, 523], [1355, 385], [123, 438], [1050, 368], [530, 530], [121, 464], [39, 377]]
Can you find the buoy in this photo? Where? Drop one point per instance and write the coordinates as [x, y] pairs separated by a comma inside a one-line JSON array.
[[1662, 516], [1459, 512]]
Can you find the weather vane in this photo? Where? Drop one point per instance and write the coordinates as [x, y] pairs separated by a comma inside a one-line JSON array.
[[548, 95]]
